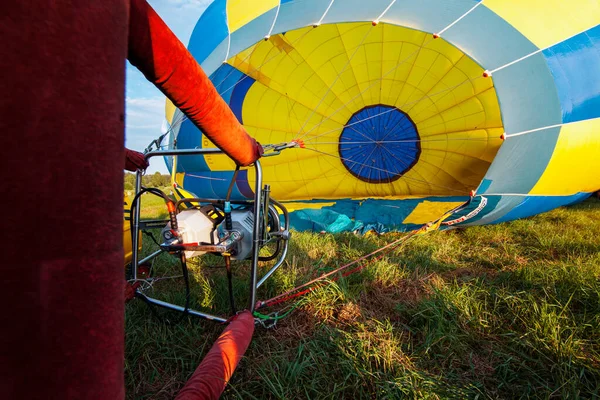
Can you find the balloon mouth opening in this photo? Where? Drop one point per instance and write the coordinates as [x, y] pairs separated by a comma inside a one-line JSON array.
[[379, 144], [332, 87]]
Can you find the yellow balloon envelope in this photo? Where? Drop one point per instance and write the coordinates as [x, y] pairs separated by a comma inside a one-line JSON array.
[[404, 109]]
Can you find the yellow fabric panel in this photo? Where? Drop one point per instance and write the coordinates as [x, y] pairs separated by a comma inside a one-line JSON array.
[[281, 44], [179, 178], [286, 114], [243, 65], [480, 111], [284, 70], [169, 111], [293, 206], [255, 61], [463, 81], [240, 12], [401, 48], [441, 173], [575, 163], [547, 22], [324, 71], [428, 211], [363, 44], [462, 155], [185, 193], [218, 162], [480, 143], [310, 82]]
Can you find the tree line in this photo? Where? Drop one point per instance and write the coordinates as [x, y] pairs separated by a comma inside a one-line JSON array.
[[154, 180]]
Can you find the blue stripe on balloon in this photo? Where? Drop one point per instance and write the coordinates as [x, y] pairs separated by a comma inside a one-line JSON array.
[[190, 137], [224, 79], [488, 39], [239, 94], [497, 207], [355, 10], [427, 15], [520, 162], [522, 87], [210, 31], [574, 64], [503, 208], [484, 185], [295, 14], [242, 184], [539, 204]]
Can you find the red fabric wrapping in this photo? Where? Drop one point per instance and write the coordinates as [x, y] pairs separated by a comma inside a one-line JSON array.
[[165, 61], [130, 290], [62, 267], [134, 160], [213, 373]]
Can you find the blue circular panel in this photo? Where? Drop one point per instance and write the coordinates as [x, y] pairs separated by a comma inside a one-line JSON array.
[[379, 144]]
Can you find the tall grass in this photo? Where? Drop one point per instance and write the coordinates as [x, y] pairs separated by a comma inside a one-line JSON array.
[[503, 311]]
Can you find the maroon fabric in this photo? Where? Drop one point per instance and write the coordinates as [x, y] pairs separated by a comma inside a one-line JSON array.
[[134, 160], [61, 112], [211, 377], [165, 61], [130, 290]]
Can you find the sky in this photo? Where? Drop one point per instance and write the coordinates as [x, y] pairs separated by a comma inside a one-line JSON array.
[[145, 105]]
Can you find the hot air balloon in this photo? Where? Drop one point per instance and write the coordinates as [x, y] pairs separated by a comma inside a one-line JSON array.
[[392, 112]]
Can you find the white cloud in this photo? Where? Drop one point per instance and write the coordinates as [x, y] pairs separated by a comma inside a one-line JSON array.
[[188, 4], [145, 112], [144, 118]]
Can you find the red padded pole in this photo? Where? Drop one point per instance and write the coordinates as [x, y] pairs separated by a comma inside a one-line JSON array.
[[165, 61], [61, 117], [211, 377]]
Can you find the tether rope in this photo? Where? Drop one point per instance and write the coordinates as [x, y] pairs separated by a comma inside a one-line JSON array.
[[322, 280]]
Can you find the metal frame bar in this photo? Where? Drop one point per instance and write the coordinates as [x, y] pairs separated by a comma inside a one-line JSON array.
[[150, 257], [175, 307], [153, 224], [256, 232], [285, 246]]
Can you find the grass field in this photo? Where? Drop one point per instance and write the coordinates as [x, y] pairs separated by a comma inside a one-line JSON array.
[[503, 311]]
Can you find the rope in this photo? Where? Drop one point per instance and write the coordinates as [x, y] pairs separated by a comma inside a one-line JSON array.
[[297, 291], [292, 294], [314, 111], [458, 19], [384, 12], [275, 316], [324, 14], [415, 180], [309, 287]]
